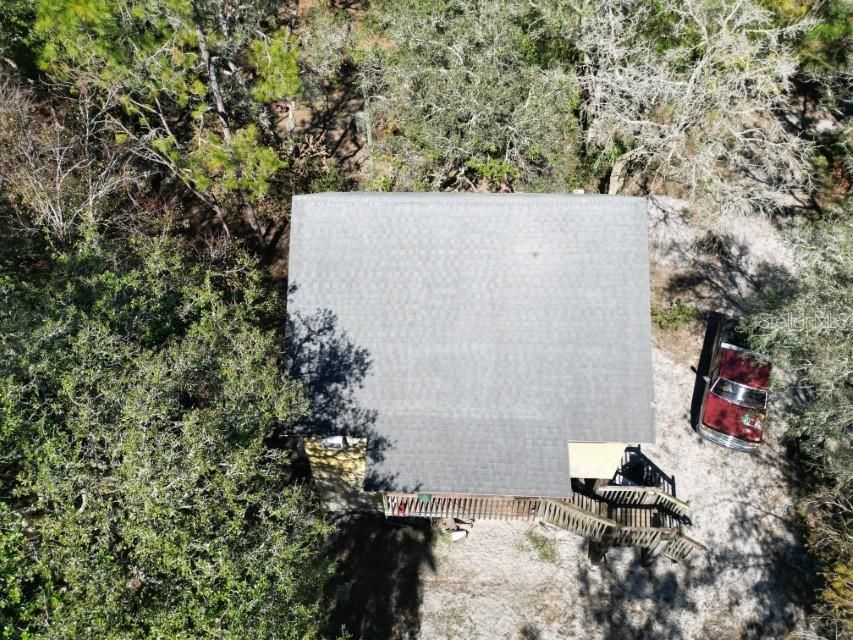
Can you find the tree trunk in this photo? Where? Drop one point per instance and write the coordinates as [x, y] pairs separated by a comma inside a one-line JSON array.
[[617, 177], [216, 92]]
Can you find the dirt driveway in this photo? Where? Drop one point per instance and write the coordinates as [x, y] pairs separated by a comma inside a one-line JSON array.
[[752, 581]]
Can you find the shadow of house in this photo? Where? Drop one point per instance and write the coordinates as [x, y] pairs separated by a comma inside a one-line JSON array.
[[377, 587]]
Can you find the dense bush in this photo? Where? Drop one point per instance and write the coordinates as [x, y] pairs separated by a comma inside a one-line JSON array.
[[470, 94], [139, 386]]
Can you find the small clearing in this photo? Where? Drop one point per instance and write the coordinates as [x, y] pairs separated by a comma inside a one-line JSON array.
[[753, 580]]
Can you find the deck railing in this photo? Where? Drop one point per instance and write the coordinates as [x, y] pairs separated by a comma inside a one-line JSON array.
[[633, 495], [631, 536], [680, 547], [632, 523], [572, 518], [639, 508], [413, 505]]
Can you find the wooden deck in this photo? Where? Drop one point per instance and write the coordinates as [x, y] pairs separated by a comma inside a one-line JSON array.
[[637, 507], [413, 505], [623, 518]]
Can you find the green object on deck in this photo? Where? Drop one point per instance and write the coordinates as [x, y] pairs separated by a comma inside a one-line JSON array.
[[424, 497]]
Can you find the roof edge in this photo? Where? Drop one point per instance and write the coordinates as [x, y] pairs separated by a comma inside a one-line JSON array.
[[414, 196]]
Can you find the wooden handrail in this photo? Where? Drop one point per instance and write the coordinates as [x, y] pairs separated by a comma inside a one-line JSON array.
[[572, 518], [677, 505], [682, 546], [646, 538], [587, 514]]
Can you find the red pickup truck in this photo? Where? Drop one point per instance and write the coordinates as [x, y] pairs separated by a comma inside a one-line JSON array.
[[734, 406]]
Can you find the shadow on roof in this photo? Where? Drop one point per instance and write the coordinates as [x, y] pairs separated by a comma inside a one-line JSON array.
[[330, 368]]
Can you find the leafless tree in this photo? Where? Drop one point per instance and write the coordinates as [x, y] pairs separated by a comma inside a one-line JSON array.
[[461, 105], [701, 112], [324, 42], [55, 165]]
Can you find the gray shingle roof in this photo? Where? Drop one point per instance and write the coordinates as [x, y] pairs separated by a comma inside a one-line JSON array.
[[498, 328]]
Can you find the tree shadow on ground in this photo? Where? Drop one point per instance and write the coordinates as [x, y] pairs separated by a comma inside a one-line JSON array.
[[333, 116], [376, 587], [614, 600], [721, 278], [632, 602], [777, 550]]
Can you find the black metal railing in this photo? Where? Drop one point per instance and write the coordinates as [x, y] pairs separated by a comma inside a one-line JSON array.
[[638, 469]]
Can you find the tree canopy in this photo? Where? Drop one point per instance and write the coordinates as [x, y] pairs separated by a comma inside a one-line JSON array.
[[150, 150], [470, 93], [501, 95], [139, 389], [189, 81]]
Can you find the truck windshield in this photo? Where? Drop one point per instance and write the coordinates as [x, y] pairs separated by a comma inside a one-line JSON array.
[[739, 394]]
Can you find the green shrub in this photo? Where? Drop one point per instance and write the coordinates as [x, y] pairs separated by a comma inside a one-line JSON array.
[[545, 548], [674, 316]]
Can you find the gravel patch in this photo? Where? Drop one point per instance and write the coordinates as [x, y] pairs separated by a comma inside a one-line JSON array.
[[716, 263]]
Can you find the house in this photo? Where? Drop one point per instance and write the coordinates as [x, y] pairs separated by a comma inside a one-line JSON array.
[[504, 345]]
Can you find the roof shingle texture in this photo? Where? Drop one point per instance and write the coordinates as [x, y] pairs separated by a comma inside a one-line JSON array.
[[499, 327]]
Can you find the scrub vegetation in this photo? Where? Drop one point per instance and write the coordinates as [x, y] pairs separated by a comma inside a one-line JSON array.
[[674, 316], [150, 152], [542, 546]]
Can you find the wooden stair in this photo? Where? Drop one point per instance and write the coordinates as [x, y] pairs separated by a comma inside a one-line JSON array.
[[651, 496], [568, 516], [637, 507], [681, 546], [632, 520]]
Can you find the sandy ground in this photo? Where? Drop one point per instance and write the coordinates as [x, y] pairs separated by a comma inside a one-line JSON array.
[[747, 585]]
